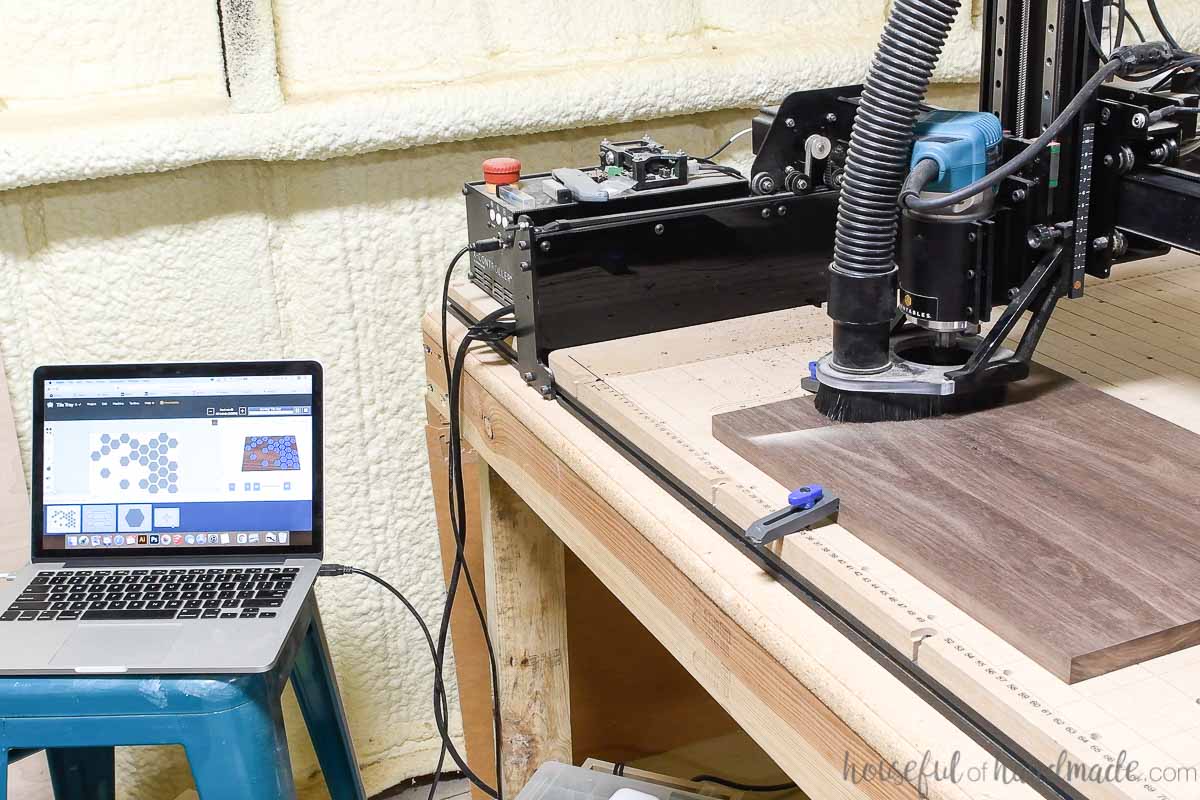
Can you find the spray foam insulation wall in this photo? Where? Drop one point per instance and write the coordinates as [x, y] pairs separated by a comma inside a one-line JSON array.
[[239, 227]]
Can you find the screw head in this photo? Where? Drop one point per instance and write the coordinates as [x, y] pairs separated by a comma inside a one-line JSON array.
[[972, 236], [1120, 244], [970, 274], [1109, 160], [545, 245], [781, 210], [1019, 195], [527, 377], [1100, 244], [1105, 114], [766, 213], [659, 229], [1013, 292], [763, 183], [831, 117], [524, 266], [522, 244], [791, 123], [1139, 120]]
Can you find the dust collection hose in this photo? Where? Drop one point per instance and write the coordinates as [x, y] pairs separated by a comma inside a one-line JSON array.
[[862, 278]]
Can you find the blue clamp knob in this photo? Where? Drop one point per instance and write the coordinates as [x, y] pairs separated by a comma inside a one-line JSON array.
[[812, 370], [806, 496]]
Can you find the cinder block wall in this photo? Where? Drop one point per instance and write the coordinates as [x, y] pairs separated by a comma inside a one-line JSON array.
[[145, 215]]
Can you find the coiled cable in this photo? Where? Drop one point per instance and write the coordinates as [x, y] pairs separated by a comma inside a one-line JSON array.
[[911, 199]]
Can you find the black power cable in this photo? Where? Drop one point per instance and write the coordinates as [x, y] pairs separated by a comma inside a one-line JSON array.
[[334, 570], [1137, 62], [1133, 23], [1090, 25], [1115, 41], [910, 195], [745, 787], [728, 142], [1162, 27], [1123, 16], [1192, 62], [708, 166], [446, 307], [1170, 111], [1120, 6], [490, 329]]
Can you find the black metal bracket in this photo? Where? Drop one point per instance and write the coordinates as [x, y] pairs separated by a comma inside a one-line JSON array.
[[792, 519], [780, 159], [1039, 294]]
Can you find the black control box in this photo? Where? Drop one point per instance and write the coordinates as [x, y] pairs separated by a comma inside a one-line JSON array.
[[642, 261]]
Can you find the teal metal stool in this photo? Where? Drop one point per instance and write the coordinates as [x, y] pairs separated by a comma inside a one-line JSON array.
[[231, 726]]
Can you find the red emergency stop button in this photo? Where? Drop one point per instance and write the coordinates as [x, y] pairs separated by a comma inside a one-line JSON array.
[[501, 171]]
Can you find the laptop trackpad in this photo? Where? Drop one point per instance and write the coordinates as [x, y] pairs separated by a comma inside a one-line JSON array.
[[114, 648]]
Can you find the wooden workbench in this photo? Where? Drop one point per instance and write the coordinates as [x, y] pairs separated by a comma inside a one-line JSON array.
[[817, 704]]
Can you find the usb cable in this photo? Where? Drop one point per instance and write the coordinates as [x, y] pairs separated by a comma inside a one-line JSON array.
[[441, 710]]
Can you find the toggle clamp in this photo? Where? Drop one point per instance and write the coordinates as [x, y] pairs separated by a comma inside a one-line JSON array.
[[806, 507]]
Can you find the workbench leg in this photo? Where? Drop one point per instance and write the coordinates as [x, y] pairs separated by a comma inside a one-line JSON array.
[[470, 654], [527, 612]]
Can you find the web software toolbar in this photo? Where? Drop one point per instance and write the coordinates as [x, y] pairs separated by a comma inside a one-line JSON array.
[[222, 539]]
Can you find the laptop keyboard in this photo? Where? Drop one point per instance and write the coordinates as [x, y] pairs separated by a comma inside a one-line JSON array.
[[153, 594]]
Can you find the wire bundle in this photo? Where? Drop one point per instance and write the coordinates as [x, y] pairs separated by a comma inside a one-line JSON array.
[[492, 328]]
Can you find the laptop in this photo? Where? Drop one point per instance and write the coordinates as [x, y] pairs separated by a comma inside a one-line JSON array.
[[177, 518]]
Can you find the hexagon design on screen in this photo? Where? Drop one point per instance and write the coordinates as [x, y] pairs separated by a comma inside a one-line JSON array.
[[269, 453], [65, 518], [126, 464]]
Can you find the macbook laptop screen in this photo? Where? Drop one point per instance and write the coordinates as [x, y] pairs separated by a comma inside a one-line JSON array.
[[177, 462]]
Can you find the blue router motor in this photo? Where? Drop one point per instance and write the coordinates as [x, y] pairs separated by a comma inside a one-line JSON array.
[[965, 145], [942, 288]]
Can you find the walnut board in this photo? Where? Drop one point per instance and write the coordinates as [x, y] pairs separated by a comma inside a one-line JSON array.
[[1064, 520]]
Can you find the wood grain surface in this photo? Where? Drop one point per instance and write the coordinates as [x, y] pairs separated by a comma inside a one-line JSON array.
[[527, 618], [1065, 520]]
